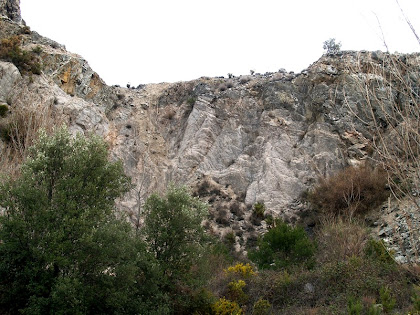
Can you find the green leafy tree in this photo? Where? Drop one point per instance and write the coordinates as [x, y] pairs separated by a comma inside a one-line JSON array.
[[175, 237], [62, 248], [283, 246]]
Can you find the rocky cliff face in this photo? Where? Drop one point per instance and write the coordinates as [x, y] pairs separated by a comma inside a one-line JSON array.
[[11, 9], [260, 138]]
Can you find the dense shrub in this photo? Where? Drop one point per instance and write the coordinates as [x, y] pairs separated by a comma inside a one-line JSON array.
[[235, 291], [244, 79], [62, 249], [235, 209], [343, 270], [377, 250], [387, 300], [226, 307], [222, 216], [229, 239], [261, 307], [354, 306], [259, 210], [169, 113], [283, 246], [174, 236], [10, 50], [333, 282], [37, 50], [416, 299], [191, 100], [25, 30], [352, 191], [240, 270]]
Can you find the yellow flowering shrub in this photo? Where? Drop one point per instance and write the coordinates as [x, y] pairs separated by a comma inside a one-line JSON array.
[[226, 307], [236, 293], [245, 271]]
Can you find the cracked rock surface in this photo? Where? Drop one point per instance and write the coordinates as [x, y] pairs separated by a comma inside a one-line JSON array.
[[237, 141]]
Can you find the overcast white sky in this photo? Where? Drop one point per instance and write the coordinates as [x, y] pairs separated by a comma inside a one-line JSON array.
[[150, 41]]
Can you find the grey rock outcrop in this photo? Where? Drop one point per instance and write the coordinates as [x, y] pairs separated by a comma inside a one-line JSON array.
[[238, 141], [9, 76], [399, 226], [11, 9]]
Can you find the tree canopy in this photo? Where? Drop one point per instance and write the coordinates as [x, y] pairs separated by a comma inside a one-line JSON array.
[[63, 249]]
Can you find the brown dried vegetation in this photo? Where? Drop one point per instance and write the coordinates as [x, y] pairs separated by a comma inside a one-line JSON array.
[[352, 191]]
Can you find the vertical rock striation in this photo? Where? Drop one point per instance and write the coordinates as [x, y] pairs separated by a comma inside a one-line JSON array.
[[11, 9], [237, 141]]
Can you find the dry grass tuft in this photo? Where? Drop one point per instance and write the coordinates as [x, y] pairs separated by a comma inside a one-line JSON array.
[[352, 191], [19, 130], [340, 239]]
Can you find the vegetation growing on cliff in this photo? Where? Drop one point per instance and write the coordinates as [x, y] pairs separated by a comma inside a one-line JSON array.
[[65, 250], [26, 61]]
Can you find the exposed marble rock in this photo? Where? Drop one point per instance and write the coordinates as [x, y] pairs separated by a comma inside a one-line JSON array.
[[237, 141], [11, 9]]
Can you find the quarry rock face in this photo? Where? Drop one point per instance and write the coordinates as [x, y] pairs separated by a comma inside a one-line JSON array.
[[237, 141], [263, 138], [11, 9]]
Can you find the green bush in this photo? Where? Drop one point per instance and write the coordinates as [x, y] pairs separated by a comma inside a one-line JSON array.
[[354, 307], [283, 246], [259, 210], [200, 301], [269, 220], [37, 50], [261, 307], [191, 101], [63, 250], [387, 300], [229, 239], [173, 230], [374, 309], [377, 250], [174, 236], [416, 300]]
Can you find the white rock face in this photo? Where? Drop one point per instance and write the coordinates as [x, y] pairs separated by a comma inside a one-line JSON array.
[[235, 142], [264, 139], [9, 76], [11, 9]]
